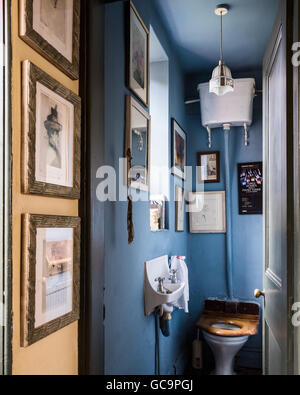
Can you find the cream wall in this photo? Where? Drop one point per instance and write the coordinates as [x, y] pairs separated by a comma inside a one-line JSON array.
[[58, 353]]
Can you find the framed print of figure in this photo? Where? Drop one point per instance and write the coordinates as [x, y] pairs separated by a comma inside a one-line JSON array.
[[52, 28], [51, 136], [138, 56], [179, 150], [50, 275], [209, 167], [138, 144]]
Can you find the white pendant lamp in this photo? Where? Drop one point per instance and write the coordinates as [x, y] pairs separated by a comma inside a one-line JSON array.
[[221, 81]]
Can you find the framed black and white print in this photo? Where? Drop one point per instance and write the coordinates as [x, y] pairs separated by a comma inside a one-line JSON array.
[[138, 56], [51, 119], [178, 150], [52, 28]]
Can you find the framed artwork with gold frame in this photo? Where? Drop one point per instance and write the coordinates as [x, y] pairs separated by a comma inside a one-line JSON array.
[[138, 55], [52, 28], [50, 296], [51, 123]]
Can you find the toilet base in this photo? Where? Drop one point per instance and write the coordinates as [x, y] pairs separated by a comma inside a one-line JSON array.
[[224, 350]]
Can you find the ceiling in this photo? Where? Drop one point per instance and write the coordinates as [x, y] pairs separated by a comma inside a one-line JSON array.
[[195, 30]]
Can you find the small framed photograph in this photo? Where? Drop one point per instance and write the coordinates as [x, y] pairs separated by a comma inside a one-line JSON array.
[[209, 167], [50, 275], [179, 209], [138, 56], [207, 212], [137, 145], [52, 28], [157, 213], [51, 136], [179, 150]]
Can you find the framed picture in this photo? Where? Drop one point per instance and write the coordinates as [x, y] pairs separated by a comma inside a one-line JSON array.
[[138, 56], [179, 209], [52, 28], [50, 275], [207, 212], [209, 164], [179, 150], [51, 136], [250, 182], [157, 213], [138, 144]]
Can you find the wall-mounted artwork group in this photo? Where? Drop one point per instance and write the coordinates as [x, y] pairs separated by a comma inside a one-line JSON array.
[[51, 134]]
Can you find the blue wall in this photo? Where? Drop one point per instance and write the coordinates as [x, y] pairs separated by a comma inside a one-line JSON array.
[[207, 251], [129, 335]]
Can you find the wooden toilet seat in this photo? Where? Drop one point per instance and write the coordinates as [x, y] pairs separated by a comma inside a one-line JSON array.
[[248, 324]]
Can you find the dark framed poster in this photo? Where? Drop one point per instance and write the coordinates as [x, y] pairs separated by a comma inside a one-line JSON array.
[[250, 184]]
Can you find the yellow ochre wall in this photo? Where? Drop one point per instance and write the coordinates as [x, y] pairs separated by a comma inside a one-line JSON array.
[[57, 353]]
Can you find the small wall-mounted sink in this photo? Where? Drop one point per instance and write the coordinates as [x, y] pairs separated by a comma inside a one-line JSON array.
[[154, 269]]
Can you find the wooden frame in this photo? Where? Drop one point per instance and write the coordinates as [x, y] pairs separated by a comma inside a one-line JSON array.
[[177, 129], [131, 104], [145, 100], [41, 45], [195, 210], [199, 164], [31, 76], [30, 224], [179, 205]]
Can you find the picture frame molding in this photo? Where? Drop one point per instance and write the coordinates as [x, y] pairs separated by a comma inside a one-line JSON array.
[[43, 47], [199, 155], [30, 224], [31, 75], [132, 7], [175, 171], [132, 102]]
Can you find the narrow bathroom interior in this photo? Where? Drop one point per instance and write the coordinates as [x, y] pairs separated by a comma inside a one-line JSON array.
[[224, 266]]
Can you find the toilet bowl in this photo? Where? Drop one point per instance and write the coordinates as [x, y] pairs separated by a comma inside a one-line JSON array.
[[225, 349], [226, 333]]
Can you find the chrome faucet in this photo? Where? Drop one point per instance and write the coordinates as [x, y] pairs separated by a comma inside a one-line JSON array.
[[173, 276], [160, 287]]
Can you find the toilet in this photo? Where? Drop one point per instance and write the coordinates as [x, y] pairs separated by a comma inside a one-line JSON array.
[[226, 327]]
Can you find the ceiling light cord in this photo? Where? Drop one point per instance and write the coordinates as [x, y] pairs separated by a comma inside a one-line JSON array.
[[221, 41]]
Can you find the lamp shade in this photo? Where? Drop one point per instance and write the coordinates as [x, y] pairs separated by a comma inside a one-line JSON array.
[[221, 81]]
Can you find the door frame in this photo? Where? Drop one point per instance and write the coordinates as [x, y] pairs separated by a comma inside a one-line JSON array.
[[296, 76], [91, 211], [292, 183], [5, 196]]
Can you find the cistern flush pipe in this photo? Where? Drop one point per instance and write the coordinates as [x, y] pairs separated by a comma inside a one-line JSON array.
[[228, 214]]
